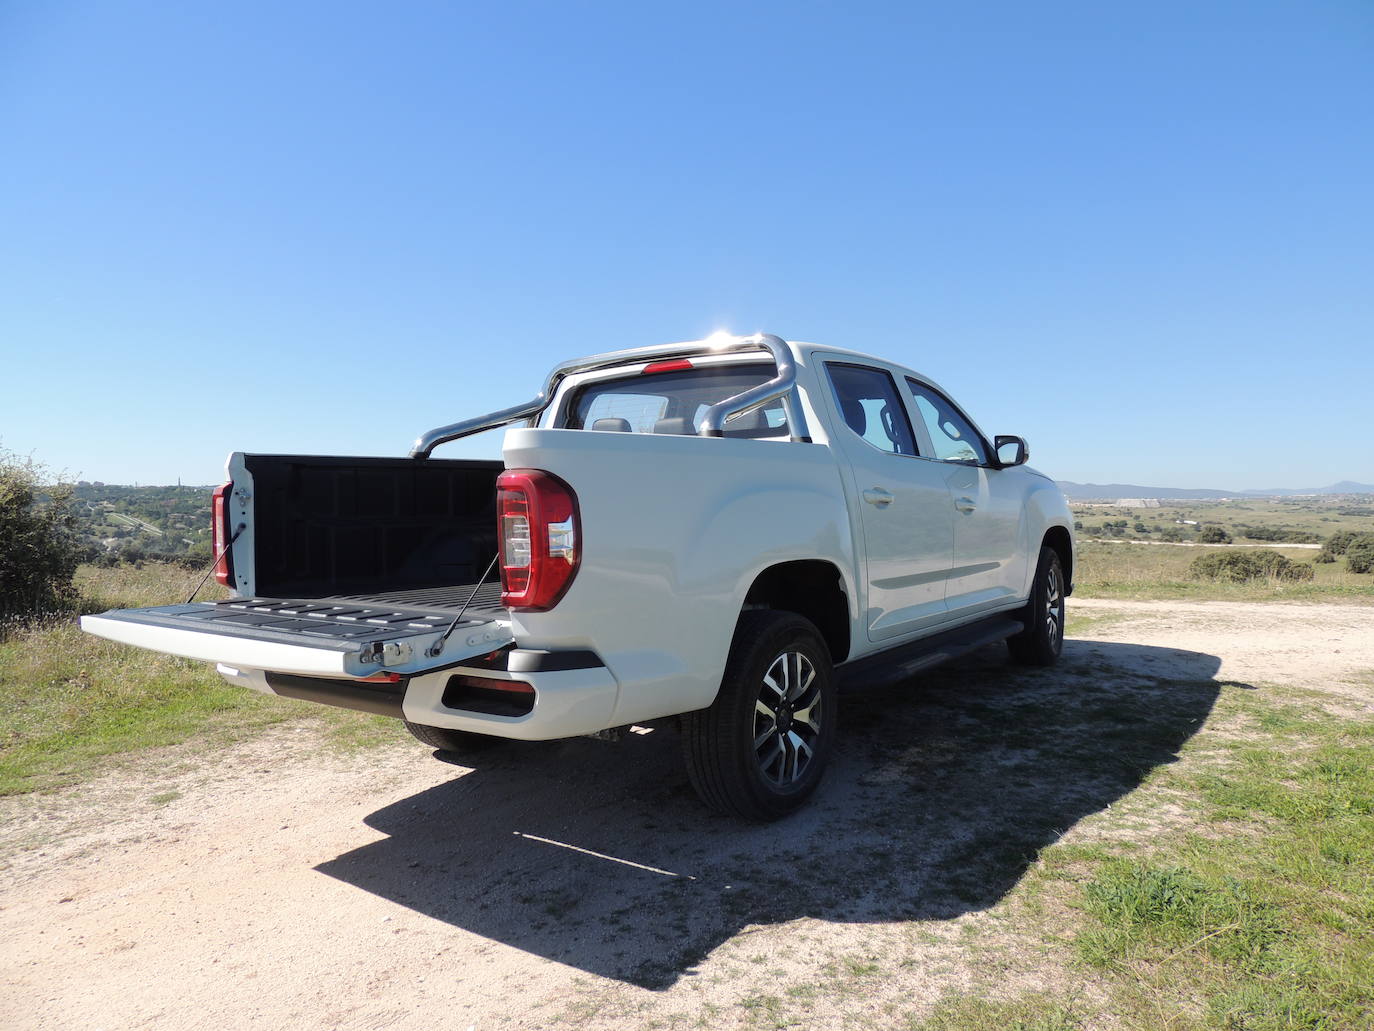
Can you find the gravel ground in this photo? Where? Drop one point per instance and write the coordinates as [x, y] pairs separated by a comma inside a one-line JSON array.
[[282, 884]]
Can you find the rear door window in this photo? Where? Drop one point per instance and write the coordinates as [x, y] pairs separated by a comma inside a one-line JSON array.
[[869, 405]]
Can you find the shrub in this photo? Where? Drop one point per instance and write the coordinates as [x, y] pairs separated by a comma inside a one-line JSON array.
[[196, 557], [38, 549], [1240, 567], [1337, 543], [1344, 542], [1359, 557], [1214, 535]]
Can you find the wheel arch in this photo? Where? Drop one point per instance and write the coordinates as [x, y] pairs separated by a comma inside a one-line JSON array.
[[812, 588], [1057, 537]]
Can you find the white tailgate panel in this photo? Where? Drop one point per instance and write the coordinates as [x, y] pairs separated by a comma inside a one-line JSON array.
[[234, 651], [256, 634]]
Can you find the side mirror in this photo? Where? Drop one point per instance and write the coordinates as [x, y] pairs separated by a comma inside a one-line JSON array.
[[1010, 450]]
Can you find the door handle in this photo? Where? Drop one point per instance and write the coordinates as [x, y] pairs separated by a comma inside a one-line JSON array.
[[965, 504], [878, 496]]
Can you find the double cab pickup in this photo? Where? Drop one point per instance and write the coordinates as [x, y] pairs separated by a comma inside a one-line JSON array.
[[724, 531]]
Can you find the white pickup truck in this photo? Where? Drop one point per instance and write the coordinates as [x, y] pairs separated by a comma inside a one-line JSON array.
[[721, 530]]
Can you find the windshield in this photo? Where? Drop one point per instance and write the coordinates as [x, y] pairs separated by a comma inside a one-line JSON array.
[[674, 402]]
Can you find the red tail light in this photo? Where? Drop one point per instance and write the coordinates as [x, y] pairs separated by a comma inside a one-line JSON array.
[[219, 535], [540, 538]]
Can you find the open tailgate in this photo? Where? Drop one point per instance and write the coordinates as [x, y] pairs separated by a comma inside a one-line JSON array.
[[320, 636]]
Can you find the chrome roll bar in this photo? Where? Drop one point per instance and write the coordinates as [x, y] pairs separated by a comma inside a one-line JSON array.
[[783, 385]]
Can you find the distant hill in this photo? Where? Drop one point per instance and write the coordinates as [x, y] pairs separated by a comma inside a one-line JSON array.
[[1344, 487], [154, 522], [1093, 491]]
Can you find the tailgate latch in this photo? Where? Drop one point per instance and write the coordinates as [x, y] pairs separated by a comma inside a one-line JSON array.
[[390, 653]]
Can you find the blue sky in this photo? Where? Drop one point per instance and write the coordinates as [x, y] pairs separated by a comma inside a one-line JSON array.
[[1140, 235]]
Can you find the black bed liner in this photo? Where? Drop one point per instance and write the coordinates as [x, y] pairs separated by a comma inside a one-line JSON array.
[[486, 602], [361, 528]]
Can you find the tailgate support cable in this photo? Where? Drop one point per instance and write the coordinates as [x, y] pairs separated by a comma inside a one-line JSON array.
[[438, 646], [215, 561]]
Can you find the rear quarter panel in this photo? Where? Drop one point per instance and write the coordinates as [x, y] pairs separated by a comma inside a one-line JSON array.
[[674, 532]]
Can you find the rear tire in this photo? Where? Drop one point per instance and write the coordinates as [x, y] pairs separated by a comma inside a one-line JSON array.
[[458, 742], [760, 749], [1041, 642]]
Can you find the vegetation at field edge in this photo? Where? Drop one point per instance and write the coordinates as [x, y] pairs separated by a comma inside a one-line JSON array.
[[70, 703], [1143, 572]]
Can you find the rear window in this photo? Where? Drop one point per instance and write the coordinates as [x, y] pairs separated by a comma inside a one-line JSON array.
[[674, 402]]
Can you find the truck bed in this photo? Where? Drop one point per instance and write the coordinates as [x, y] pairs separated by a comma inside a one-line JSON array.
[[444, 601], [348, 566], [393, 531]]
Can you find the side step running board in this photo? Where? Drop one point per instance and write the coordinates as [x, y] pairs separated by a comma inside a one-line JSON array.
[[905, 661]]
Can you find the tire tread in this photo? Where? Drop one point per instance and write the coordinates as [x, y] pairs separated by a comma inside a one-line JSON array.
[[712, 747], [1030, 647], [458, 742]]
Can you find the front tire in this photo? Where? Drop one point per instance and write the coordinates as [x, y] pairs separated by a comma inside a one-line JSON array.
[[760, 749], [1042, 641]]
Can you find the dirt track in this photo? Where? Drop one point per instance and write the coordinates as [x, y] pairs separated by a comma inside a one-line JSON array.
[[581, 883]]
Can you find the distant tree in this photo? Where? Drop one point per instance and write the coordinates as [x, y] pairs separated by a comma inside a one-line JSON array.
[[38, 549], [1214, 535]]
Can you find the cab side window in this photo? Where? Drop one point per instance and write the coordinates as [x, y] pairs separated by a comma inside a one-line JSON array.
[[953, 438], [868, 400]]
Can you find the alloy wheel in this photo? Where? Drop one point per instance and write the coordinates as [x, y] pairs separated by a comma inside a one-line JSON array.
[[1054, 606], [787, 719]]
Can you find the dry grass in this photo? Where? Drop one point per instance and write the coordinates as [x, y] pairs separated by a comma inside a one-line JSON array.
[[131, 587], [1146, 571]]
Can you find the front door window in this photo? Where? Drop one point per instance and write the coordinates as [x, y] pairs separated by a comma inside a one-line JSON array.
[[953, 439]]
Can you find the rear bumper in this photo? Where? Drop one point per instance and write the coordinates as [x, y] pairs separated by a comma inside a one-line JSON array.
[[574, 694]]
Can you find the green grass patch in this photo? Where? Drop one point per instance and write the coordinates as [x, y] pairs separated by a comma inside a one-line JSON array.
[[349, 731], [1263, 923], [68, 700], [1034, 1012], [71, 702]]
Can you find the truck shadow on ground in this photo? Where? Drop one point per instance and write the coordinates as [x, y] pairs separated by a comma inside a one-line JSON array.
[[597, 854]]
